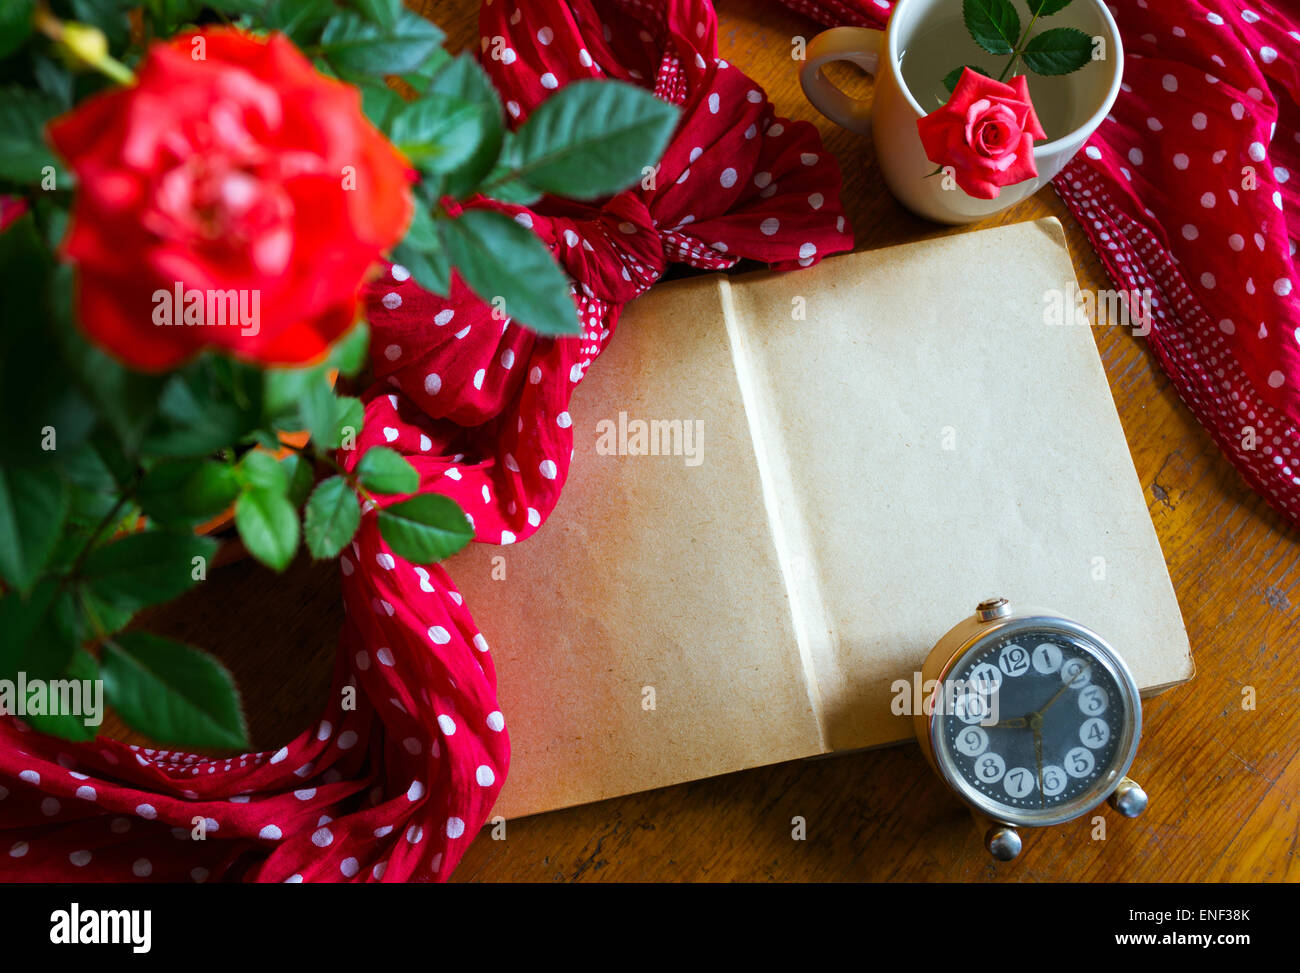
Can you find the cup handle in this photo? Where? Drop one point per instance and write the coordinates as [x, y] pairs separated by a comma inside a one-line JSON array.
[[860, 45]]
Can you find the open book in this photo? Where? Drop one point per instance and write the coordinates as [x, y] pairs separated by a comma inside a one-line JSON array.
[[786, 488]]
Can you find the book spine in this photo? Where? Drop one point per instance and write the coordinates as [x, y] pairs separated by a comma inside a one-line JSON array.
[[785, 520]]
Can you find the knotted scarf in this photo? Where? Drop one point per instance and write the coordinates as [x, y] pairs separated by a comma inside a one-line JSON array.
[[402, 768], [1188, 189]]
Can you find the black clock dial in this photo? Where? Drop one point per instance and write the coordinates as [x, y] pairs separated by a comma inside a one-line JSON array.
[[1033, 719]]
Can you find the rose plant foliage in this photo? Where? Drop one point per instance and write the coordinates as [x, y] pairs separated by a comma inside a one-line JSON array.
[[191, 195]]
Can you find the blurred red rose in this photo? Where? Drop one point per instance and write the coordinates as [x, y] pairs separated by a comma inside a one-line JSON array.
[[241, 180], [11, 208], [986, 132]]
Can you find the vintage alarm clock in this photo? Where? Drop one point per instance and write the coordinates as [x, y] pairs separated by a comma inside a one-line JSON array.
[[1033, 720]]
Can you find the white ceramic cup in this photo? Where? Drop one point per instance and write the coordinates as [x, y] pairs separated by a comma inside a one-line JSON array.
[[892, 113]]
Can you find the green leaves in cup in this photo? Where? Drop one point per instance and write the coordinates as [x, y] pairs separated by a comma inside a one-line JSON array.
[[952, 77], [994, 24], [1060, 50]]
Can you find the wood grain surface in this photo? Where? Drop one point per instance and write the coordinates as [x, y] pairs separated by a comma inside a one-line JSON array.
[[1223, 779]]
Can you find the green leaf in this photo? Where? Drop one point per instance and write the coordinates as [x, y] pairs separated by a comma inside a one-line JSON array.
[[332, 517], [145, 568], [70, 726], [1058, 51], [301, 20], [381, 12], [350, 416], [167, 15], [349, 354], [515, 191], [38, 395], [318, 407], [187, 491], [426, 528], [592, 138], [994, 24], [384, 470], [299, 474], [422, 77], [33, 506], [431, 268], [379, 102], [424, 253], [172, 693], [102, 618], [439, 133], [39, 631], [356, 46], [284, 389], [952, 77], [498, 257], [465, 79], [54, 79], [94, 485], [262, 470], [126, 399], [268, 526], [15, 24], [1045, 8], [196, 417]]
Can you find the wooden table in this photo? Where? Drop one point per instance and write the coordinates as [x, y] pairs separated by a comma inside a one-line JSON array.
[[1223, 779]]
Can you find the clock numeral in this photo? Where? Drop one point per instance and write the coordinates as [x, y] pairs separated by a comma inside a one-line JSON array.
[[1094, 733], [1019, 782], [1093, 700], [971, 708], [1014, 660], [972, 741], [990, 768], [1054, 780], [1076, 673], [1047, 658], [986, 679], [1079, 762]]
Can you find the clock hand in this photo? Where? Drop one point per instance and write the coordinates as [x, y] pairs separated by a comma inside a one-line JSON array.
[[1019, 723], [1038, 757], [1064, 686]]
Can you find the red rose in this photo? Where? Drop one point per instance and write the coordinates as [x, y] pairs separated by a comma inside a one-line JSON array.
[[986, 132], [240, 184]]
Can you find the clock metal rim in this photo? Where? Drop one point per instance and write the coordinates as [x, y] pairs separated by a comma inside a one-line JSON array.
[[972, 633]]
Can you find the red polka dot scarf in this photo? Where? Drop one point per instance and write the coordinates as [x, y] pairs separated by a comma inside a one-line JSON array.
[[395, 788], [1191, 189]]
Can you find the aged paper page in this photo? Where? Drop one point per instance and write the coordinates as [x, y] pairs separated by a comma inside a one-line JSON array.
[[933, 442], [656, 574]]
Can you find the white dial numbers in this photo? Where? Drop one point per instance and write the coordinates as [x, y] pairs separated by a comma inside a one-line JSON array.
[[1018, 782], [990, 767], [1014, 660], [972, 741], [1047, 658]]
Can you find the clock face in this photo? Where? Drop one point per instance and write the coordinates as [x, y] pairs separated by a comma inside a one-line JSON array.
[[1034, 721]]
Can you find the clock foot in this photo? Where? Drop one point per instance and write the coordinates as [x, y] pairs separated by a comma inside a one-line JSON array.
[[1129, 799], [1002, 842]]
